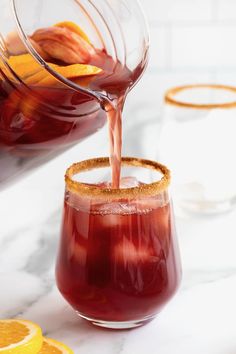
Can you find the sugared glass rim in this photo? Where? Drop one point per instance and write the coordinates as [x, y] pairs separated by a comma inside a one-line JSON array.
[[84, 189], [172, 100]]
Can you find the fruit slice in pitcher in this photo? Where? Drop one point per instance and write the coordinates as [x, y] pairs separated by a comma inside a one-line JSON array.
[[63, 44], [66, 37], [43, 78], [74, 28]]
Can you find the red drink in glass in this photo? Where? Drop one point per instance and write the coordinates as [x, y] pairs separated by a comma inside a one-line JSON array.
[[118, 263]]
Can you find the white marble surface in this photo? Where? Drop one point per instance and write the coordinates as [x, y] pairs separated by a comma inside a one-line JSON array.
[[200, 319]]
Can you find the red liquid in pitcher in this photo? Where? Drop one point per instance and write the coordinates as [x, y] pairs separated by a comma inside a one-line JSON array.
[[37, 123], [117, 263]]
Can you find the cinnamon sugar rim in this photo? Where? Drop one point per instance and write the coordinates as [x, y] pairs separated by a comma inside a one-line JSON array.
[[150, 189], [171, 99]]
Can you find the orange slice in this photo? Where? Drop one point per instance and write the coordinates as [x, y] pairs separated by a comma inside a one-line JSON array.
[[19, 336], [19, 59], [69, 72], [74, 28], [84, 81], [24, 65], [52, 346], [77, 70]]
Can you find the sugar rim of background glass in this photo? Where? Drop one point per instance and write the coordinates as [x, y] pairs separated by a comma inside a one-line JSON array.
[[172, 100]]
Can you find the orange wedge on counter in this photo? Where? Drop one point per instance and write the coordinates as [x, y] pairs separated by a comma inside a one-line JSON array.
[[51, 346], [20, 337], [74, 28], [25, 337]]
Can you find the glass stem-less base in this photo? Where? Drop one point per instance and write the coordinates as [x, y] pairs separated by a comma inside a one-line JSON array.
[[117, 325]]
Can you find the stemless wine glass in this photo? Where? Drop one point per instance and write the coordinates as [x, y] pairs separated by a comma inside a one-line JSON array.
[[198, 143], [118, 262]]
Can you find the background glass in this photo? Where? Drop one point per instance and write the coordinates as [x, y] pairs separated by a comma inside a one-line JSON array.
[[198, 143]]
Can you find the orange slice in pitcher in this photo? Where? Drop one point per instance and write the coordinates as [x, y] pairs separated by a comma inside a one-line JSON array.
[[42, 78], [74, 28], [72, 71], [16, 60], [24, 65], [75, 50], [52, 346], [19, 336]]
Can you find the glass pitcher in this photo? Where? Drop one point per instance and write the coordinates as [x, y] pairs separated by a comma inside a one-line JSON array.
[[39, 120]]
